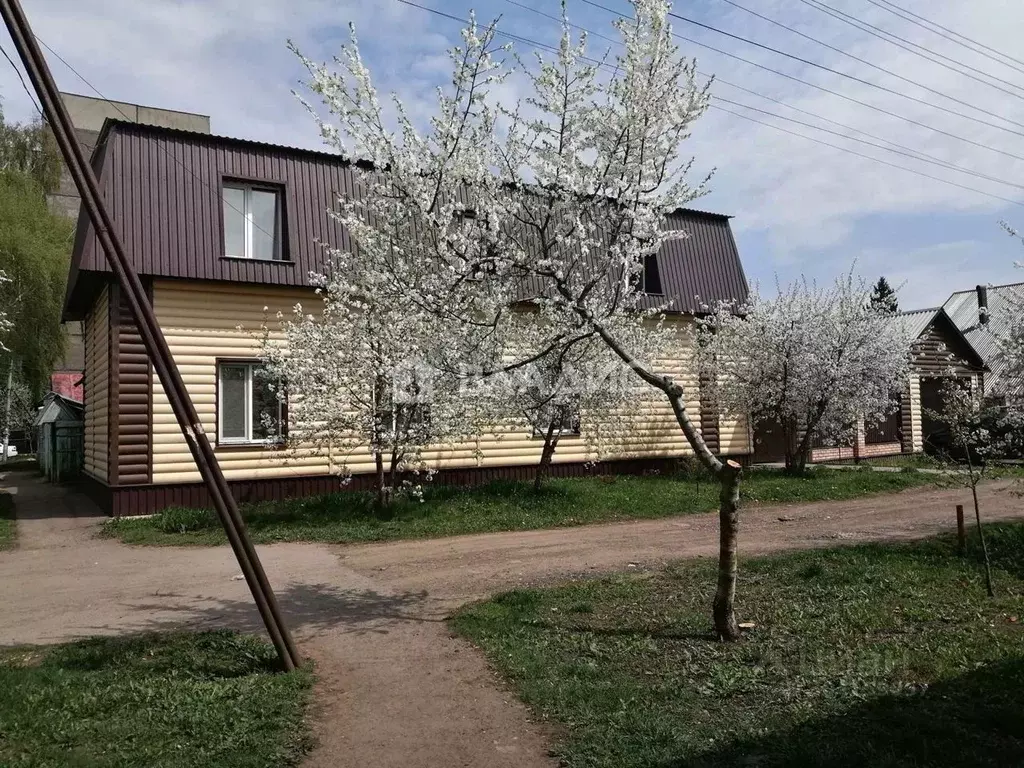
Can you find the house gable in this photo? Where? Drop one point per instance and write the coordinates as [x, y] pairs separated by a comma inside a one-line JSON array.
[[941, 346]]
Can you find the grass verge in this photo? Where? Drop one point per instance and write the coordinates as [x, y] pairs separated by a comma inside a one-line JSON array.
[[172, 700], [8, 528], [872, 655], [502, 506]]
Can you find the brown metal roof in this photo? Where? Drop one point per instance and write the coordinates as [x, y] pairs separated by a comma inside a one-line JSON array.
[[163, 186]]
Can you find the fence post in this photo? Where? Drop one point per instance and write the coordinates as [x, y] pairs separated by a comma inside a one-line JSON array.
[[961, 531]]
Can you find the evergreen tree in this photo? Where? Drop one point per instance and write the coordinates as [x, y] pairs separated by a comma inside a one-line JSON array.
[[883, 297]]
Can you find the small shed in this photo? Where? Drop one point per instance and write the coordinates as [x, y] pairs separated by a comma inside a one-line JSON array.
[[60, 429]]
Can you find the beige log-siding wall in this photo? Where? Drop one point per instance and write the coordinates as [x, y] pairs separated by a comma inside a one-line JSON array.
[[201, 323], [96, 388]]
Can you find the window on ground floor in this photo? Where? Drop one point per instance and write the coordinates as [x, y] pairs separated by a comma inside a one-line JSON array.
[[567, 414], [249, 408]]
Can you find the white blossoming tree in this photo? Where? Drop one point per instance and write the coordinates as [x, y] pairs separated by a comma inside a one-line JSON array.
[[556, 201], [1010, 341], [577, 388], [813, 361], [358, 374]]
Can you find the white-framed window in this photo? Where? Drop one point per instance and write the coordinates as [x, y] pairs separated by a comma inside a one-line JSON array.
[[252, 222], [249, 409], [403, 404], [568, 415]]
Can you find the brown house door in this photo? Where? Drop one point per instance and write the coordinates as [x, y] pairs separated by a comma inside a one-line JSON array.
[[769, 442]]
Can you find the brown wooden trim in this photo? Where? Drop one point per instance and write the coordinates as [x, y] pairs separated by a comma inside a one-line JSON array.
[[130, 404], [113, 382], [147, 499]]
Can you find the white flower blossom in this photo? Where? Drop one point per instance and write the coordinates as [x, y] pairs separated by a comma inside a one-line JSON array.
[[815, 362]]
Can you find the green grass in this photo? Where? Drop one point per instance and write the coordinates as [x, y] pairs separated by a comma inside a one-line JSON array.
[[915, 460], [168, 700], [882, 656], [445, 511], [8, 528]]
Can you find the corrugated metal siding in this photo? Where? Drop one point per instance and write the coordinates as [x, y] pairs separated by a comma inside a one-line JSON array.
[[962, 307], [914, 322], [164, 189], [96, 388], [703, 267]]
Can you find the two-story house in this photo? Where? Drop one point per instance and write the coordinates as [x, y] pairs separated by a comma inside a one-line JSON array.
[[223, 231]]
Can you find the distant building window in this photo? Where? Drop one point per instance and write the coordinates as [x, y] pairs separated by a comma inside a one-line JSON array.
[[651, 278], [252, 222], [249, 408]]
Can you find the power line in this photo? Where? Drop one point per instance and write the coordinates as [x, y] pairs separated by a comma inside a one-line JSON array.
[[544, 46], [821, 88], [167, 152], [902, 42], [905, 151], [846, 75], [889, 72], [952, 35], [899, 148], [869, 157], [22, 78]]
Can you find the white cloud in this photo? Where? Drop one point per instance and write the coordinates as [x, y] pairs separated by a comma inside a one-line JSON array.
[[806, 207]]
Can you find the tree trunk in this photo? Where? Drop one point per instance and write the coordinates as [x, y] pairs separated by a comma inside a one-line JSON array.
[[550, 443], [7, 413], [728, 527], [382, 500], [727, 474], [981, 531]]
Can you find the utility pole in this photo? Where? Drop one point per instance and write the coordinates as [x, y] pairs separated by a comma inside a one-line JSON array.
[[149, 329]]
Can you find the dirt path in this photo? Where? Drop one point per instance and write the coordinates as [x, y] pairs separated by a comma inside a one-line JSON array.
[[395, 688]]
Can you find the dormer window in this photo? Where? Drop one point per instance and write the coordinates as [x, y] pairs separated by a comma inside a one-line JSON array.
[[650, 282], [253, 222]]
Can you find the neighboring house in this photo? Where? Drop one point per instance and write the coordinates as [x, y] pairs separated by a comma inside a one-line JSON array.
[[982, 315], [225, 232], [939, 350]]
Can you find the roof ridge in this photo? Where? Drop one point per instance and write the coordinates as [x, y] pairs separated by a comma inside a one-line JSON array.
[[985, 285], [118, 124]]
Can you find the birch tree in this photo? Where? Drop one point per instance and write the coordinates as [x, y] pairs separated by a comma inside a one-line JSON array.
[[555, 201], [814, 361]]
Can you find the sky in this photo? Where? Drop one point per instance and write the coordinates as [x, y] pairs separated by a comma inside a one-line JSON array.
[[800, 208]]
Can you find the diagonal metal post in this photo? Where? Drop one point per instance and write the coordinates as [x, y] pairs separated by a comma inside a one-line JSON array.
[[152, 337]]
